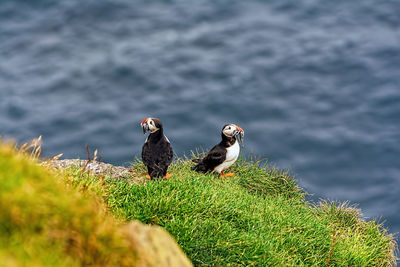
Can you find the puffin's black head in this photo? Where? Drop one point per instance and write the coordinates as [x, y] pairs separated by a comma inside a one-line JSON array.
[[151, 124], [232, 130]]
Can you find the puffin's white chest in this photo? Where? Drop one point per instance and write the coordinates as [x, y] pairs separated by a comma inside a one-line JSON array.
[[232, 153]]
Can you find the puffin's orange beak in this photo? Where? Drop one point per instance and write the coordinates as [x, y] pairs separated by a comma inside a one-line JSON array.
[[240, 129], [144, 125], [239, 133]]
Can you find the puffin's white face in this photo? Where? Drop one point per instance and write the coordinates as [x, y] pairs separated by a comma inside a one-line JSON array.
[[149, 124], [232, 130]]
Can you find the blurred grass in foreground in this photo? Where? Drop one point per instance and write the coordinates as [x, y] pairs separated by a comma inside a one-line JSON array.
[[45, 221]]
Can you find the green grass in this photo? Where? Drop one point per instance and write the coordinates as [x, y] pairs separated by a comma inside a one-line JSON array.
[[43, 222], [258, 217]]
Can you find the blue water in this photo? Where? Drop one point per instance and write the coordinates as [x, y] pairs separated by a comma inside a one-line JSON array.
[[315, 84]]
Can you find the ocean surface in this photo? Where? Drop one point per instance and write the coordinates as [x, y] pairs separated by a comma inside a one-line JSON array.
[[315, 84]]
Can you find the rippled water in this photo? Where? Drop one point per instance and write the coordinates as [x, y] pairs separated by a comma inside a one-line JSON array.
[[315, 84]]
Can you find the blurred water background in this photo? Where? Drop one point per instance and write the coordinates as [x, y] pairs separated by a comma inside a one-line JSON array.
[[315, 84]]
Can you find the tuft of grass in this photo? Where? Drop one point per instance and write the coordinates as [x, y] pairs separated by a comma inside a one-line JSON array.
[[258, 217]]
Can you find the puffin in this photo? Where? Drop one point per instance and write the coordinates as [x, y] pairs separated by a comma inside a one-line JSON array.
[[224, 154], [157, 151]]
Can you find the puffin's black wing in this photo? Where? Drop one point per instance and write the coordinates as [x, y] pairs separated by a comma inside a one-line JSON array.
[[214, 157], [157, 156], [146, 154], [166, 157]]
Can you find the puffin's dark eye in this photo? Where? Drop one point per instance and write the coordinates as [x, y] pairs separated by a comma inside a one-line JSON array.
[[229, 127]]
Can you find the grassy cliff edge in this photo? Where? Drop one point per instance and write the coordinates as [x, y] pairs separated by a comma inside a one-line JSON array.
[[258, 217]]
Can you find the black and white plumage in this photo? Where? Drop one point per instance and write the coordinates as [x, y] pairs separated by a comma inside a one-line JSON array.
[[224, 154], [157, 151]]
